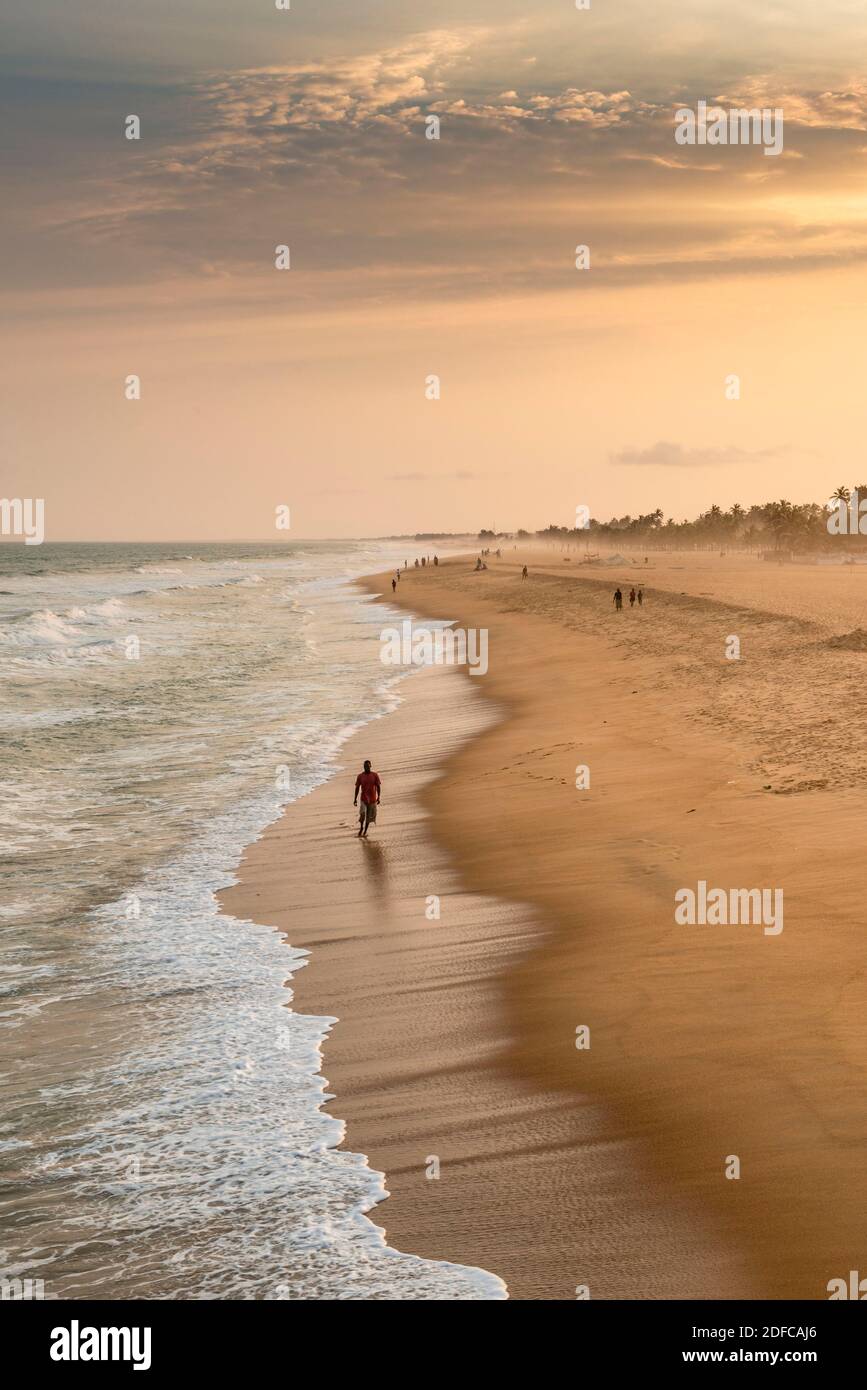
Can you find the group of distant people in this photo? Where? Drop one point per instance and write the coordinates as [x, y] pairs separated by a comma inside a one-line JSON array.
[[634, 595], [480, 562], [416, 564]]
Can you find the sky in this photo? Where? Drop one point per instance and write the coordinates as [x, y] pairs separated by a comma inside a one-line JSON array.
[[411, 258]]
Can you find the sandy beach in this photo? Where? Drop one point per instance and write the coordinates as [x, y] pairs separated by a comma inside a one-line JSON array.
[[604, 1166]]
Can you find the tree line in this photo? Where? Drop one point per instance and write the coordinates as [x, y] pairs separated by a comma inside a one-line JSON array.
[[780, 527]]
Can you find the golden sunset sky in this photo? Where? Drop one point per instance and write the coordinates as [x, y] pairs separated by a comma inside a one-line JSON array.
[[412, 256]]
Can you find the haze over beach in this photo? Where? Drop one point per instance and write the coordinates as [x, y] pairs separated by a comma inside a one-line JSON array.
[[433, 616]]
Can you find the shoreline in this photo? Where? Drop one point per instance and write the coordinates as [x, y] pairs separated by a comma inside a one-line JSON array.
[[506, 1144], [601, 1167], [419, 1063]]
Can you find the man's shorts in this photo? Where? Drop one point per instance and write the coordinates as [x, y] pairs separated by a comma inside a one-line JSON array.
[[367, 813]]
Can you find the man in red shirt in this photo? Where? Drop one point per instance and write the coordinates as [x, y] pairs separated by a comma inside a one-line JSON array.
[[369, 785]]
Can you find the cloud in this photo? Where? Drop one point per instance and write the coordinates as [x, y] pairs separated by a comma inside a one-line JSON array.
[[844, 110], [670, 162], [377, 88], [330, 156], [664, 454]]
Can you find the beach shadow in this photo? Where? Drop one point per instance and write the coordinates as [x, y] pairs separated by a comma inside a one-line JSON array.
[[376, 862]]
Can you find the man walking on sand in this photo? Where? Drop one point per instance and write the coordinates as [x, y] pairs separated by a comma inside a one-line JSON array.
[[369, 785], [618, 600]]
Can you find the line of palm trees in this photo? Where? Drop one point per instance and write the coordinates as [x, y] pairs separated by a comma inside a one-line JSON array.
[[780, 526]]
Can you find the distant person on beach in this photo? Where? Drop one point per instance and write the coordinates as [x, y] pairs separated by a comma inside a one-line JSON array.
[[640, 597], [631, 598], [618, 600], [524, 572], [369, 785], [393, 585], [436, 559]]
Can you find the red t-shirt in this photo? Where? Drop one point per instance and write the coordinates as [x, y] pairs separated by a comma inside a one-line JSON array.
[[370, 784]]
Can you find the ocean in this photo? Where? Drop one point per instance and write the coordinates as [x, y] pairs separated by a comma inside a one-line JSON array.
[[159, 1136]]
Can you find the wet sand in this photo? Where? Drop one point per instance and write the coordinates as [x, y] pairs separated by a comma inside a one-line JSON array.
[[602, 1166]]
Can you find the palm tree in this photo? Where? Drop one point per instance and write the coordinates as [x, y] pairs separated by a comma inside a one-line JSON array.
[[779, 518], [840, 494], [735, 518], [802, 527]]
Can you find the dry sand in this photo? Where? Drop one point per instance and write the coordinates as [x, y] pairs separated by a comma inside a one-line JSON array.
[[456, 1037]]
